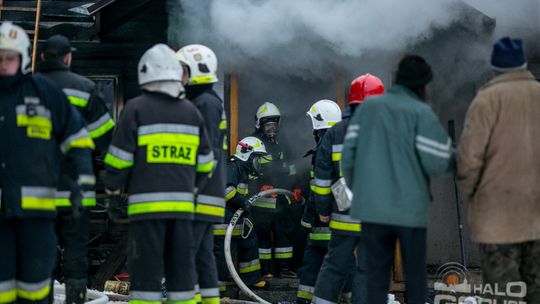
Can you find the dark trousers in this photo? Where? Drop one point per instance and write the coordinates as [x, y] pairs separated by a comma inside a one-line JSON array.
[[508, 263], [72, 238], [275, 235], [380, 241], [311, 265], [206, 274], [339, 267], [157, 249], [27, 259]]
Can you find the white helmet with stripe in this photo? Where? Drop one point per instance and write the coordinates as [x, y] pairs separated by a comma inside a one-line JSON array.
[[202, 63], [159, 63], [249, 145], [324, 114], [14, 38], [266, 110]]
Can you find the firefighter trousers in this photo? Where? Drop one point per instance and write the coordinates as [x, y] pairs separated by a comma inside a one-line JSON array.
[[157, 249], [206, 286], [27, 259], [311, 264], [340, 268], [72, 238], [275, 231], [244, 249]]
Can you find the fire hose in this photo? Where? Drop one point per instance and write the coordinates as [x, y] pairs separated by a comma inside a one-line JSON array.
[[228, 236]]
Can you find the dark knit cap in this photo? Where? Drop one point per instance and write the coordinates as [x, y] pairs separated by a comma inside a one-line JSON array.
[[413, 71], [508, 55]]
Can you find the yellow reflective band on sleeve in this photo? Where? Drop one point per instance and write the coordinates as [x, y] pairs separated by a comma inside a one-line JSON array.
[[321, 190], [283, 255], [205, 168], [210, 210], [154, 207], [320, 236], [34, 295], [78, 101], [223, 124], [356, 227], [8, 296], [230, 194], [106, 127], [116, 162], [221, 232], [251, 268], [144, 302], [82, 143], [336, 156], [212, 300], [38, 203]]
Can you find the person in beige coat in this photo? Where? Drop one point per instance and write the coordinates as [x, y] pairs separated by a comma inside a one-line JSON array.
[[499, 171]]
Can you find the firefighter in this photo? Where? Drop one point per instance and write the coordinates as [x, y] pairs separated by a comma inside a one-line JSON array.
[[244, 163], [272, 216], [160, 153], [200, 63], [323, 114], [38, 127], [82, 93], [339, 260]]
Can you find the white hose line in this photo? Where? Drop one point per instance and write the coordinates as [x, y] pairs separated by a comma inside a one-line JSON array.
[[227, 242], [93, 296]]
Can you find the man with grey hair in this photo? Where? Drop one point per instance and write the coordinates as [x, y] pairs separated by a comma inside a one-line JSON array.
[[499, 171]]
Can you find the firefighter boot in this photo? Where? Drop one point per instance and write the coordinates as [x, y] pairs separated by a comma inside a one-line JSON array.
[[75, 291]]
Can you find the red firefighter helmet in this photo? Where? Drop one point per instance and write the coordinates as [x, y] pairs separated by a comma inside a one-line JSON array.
[[364, 86]]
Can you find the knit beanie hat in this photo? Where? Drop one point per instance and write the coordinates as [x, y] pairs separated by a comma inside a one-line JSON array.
[[508, 55], [413, 71]]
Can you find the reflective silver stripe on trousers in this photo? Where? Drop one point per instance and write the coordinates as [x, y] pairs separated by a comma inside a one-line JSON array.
[[320, 230], [344, 218], [205, 158], [40, 111], [283, 249], [99, 122], [197, 288], [210, 292], [267, 200], [145, 295], [211, 200], [8, 285], [337, 148], [121, 154], [34, 191], [76, 93], [265, 250], [306, 288], [317, 300], [250, 263], [242, 186], [180, 295], [160, 196], [224, 227], [322, 182], [168, 128], [32, 287], [80, 134]]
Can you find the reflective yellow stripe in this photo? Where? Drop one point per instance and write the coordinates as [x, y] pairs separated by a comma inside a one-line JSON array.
[[283, 255], [203, 79], [304, 295], [320, 236], [144, 302], [250, 268], [65, 202], [336, 156], [221, 232], [357, 227], [8, 296], [78, 101], [153, 207], [34, 295], [265, 256], [210, 210], [223, 124], [23, 120], [82, 143], [116, 162], [102, 129], [158, 138], [230, 194], [38, 203], [192, 301], [198, 298], [321, 190], [212, 300], [243, 191], [185, 144], [205, 168], [267, 205]]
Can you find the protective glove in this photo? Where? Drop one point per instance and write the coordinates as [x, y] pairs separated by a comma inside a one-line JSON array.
[[113, 204], [297, 196]]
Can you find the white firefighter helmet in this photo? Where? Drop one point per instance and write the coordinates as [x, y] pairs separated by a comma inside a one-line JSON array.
[[324, 114], [202, 63], [266, 110], [14, 38], [159, 63], [248, 146]]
